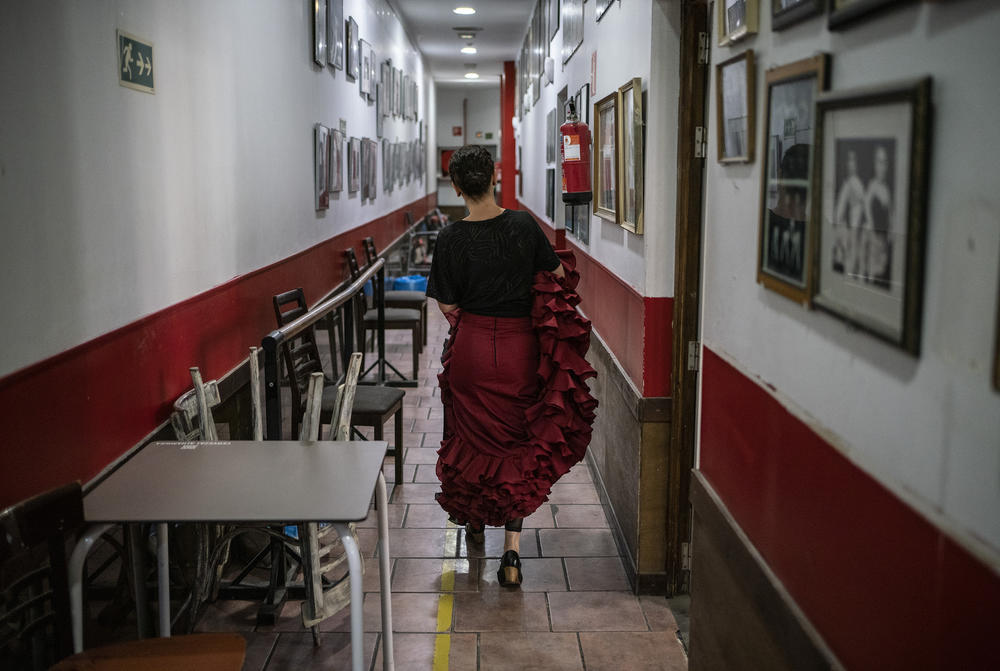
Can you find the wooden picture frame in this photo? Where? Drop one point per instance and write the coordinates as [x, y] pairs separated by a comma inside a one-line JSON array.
[[606, 157], [785, 13], [319, 32], [737, 19], [870, 176], [735, 86], [845, 12], [783, 241], [335, 34], [630, 156], [351, 49]]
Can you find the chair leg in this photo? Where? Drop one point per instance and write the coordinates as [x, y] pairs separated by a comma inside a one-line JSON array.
[[416, 351], [398, 457], [423, 321]]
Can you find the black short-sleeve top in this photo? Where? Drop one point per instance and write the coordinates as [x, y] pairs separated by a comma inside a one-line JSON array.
[[486, 267]]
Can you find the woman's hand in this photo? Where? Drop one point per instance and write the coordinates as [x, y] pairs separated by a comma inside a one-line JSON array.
[[446, 308]]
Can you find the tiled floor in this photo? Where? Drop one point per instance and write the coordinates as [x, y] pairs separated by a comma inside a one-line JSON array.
[[574, 610]]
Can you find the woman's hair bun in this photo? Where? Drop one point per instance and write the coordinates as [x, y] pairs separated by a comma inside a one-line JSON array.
[[471, 169]]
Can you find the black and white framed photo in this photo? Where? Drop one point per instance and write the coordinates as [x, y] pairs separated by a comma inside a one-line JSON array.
[[871, 168], [386, 165], [372, 73], [335, 182], [365, 80], [321, 135], [734, 89], [785, 13], [335, 33], [572, 22], [601, 8], [844, 12], [372, 168], [351, 49], [319, 31], [550, 136], [737, 19], [630, 161], [553, 21], [996, 349], [783, 259], [550, 193], [606, 157], [354, 165]]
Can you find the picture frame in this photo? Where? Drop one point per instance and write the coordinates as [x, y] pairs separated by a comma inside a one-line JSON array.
[[335, 33], [735, 105], [351, 49], [784, 238], [785, 13], [845, 12], [379, 108], [319, 32], [870, 175], [550, 136], [372, 169], [365, 80], [335, 183], [572, 22], [386, 165], [366, 161], [372, 71], [630, 156], [550, 193], [354, 165], [605, 158], [321, 140], [737, 19], [601, 7], [553, 19]]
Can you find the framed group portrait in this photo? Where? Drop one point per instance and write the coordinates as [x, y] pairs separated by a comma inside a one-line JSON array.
[[605, 157], [734, 90], [783, 258], [737, 19], [785, 13], [870, 177]]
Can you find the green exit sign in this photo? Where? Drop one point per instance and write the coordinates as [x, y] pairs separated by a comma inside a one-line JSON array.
[[135, 63]]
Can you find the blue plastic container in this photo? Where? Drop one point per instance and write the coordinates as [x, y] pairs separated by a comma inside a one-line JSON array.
[[410, 283]]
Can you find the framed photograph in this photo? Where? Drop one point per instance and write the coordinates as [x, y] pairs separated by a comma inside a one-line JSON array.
[[783, 260], [365, 80], [734, 91], [366, 160], [601, 7], [397, 80], [572, 21], [550, 193], [786, 13], [606, 157], [372, 169], [843, 12], [336, 179], [372, 73], [354, 165], [553, 21], [630, 159], [870, 176], [351, 49], [321, 157], [386, 165], [581, 99], [737, 19], [335, 33], [319, 31], [550, 136]]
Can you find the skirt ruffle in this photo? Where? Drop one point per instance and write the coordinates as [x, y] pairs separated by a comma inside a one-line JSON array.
[[481, 488]]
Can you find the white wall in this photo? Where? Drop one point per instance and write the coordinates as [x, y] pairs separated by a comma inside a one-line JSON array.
[[927, 427], [116, 203], [482, 115], [623, 40]]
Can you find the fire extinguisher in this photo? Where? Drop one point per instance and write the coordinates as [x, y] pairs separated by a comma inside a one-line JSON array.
[[575, 154]]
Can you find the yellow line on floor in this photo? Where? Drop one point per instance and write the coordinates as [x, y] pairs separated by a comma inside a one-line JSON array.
[[446, 600]]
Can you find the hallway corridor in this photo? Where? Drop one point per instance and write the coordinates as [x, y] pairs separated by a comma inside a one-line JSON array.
[[573, 612]]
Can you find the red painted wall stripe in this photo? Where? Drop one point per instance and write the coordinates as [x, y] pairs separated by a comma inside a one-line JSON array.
[[508, 147], [884, 587], [67, 417]]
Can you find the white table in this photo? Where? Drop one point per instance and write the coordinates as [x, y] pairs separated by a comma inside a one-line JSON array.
[[245, 481]]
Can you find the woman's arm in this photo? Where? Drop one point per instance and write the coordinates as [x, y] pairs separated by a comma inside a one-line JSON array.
[[446, 308], [559, 271]]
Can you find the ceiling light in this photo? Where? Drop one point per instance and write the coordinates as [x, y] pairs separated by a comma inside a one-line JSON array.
[[472, 75], [468, 50], [464, 10]]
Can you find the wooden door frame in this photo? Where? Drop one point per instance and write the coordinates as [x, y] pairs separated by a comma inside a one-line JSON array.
[[692, 107]]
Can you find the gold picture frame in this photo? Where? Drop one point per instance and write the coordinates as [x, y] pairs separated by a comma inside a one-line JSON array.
[[735, 84], [630, 156], [737, 19], [606, 158]]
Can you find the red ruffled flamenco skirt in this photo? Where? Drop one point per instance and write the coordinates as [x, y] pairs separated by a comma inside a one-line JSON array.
[[517, 409]]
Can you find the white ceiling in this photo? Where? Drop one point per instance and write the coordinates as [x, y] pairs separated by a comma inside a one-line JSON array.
[[430, 24]]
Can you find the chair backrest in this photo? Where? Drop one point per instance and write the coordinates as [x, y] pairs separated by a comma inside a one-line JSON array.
[[192, 416], [35, 620], [370, 253], [300, 353]]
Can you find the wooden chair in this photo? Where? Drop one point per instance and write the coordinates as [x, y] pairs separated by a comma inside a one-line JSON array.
[[395, 318], [35, 621], [373, 405], [410, 300]]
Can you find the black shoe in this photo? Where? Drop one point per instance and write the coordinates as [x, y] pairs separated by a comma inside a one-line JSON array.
[[473, 535], [509, 573]]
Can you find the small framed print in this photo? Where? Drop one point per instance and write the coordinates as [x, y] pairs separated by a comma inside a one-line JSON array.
[[336, 178], [351, 49], [365, 80], [372, 72], [354, 165], [606, 157], [572, 22], [365, 162], [785, 13], [550, 193], [734, 89], [386, 165], [321, 157], [870, 175], [783, 240], [550, 136], [319, 31], [737, 19], [379, 108], [630, 161], [335, 33], [843, 12]]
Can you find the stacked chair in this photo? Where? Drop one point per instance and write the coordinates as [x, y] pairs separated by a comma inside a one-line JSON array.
[[409, 300]]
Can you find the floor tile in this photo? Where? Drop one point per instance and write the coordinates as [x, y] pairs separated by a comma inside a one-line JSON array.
[[580, 516], [429, 425], [425, 575], [529, 651], [228, 615], [415, 652], [415, 493], [426, 473], [595, 611], [577, 543], [659, 617], [421, 455], [426, 516], [259, 647], [539, 575], [433, 439], [635, 651], [540, 519], [296, 651], [493, 547], [419, 543], [573, 493], [411, 612], [578, 474], [496, 610], [389, 471], [396, 512], [596, 574]]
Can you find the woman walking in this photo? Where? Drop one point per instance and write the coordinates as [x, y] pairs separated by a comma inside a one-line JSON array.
[[517, 409]]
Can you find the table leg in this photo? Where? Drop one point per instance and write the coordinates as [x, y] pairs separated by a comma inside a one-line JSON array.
[[137, 555], [357, 594], [76, 561], [163, 578], [388, 663]]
